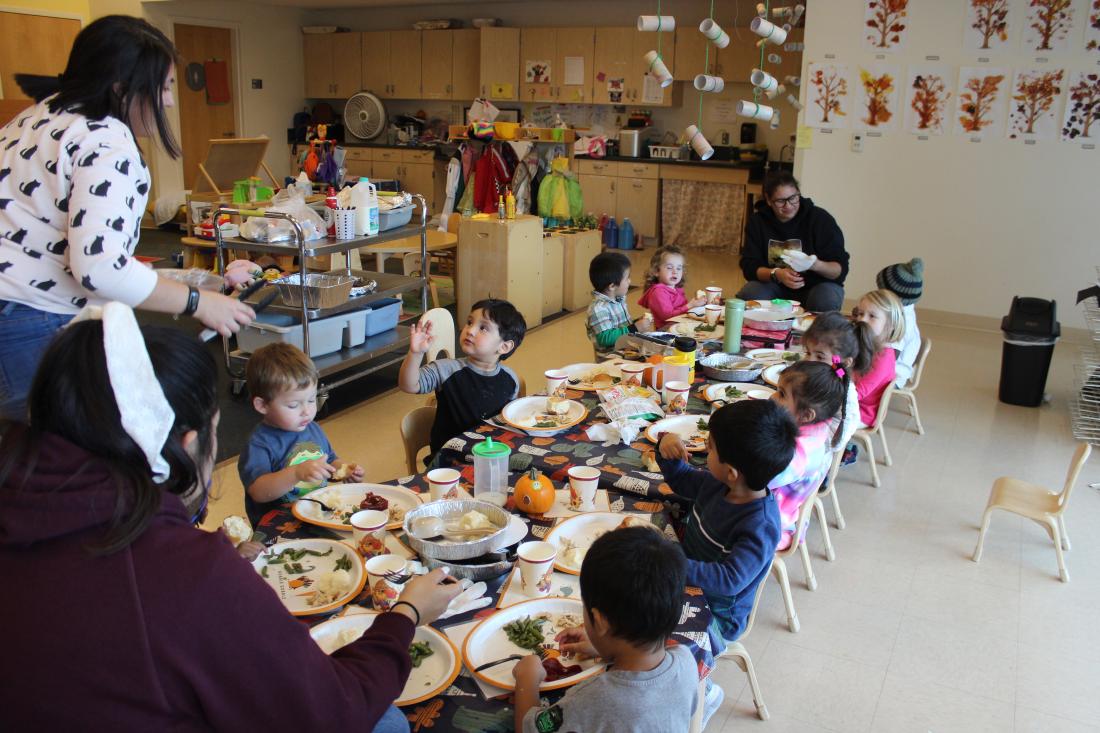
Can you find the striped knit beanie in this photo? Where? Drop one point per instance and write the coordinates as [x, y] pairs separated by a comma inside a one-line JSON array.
[[905, 280]]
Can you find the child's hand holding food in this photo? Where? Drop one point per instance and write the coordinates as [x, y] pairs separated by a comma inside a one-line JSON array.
[[574, 643], [250, 550], [313, 471], [529, 671], [672, 448]]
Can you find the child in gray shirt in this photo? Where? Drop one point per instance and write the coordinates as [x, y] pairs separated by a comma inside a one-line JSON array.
[[649, 686]]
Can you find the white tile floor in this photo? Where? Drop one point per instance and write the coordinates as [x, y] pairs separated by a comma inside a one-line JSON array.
[[904, 632]]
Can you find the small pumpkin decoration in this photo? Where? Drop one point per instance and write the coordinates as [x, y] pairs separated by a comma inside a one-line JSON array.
[[534, 493]]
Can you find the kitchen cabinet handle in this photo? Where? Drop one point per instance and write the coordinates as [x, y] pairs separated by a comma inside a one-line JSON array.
[[637, 185], [612, 186]]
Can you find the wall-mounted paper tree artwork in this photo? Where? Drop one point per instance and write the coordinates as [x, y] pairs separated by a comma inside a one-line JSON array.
[[981, 101], [1035, 95], [928, 91], [1048, 26], [1092, 29], [877, 108], [987, 25], [827, 101], [1082, 118], [885, 24]]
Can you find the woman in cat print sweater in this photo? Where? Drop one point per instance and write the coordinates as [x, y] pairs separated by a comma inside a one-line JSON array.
[[73, 188]]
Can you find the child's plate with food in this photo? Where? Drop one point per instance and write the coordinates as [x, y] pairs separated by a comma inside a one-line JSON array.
[[698, 329], [573, 536], [436, 663], [534, 416], [735, 392], [790, 307], [771, 374], [588, 377], [691, 429], [775, 356], [347, 499], [803, 322], [526, 628], [312, 576]]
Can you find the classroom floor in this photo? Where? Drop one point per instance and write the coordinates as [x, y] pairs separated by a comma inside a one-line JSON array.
[[904, 632]]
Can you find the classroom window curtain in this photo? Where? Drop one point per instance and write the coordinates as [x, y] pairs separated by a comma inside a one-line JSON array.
[[682, 203]]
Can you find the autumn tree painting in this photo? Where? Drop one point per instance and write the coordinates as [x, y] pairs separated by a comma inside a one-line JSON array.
[[1094, 27], [929, 100], [829, 89], [976, 101], [886, 19], [990, 19], [1083, 107], [877, 100], [1050, 21], [1033, 98]]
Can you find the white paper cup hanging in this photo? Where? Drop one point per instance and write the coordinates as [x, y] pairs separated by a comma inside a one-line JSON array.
[[763, 80], [698, 143], [706, 83], [754, 111], [657, 67], [767, 30], [793, 100], [714, 33], [657, 23]]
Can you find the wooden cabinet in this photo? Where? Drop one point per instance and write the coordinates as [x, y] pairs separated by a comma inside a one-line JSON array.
[[405, 64], [612, 63], [692, 54], [376, 63], [622, 190], [573, 43], [503, 259], [386, 170], [419, 178], [466, 66], [436, 54], [537, 47], [598, 194], [643, 43], [358, 162], [553, 264], [638, 199], [332, 65], [500, 75]]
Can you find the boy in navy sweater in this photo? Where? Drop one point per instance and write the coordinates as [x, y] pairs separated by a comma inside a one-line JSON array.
[[732, 529]]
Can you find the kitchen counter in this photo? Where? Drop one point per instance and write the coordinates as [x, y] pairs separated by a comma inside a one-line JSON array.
[[712, 164]]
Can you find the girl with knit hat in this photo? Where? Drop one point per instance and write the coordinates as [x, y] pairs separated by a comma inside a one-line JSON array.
[[905, 280]]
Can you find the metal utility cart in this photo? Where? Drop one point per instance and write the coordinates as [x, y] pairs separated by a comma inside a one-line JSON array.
[[347, 364]]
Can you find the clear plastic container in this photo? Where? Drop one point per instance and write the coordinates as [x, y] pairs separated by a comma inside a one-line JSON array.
[[491, 471]]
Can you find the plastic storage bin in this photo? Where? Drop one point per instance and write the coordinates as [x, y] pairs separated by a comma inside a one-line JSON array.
[[1030, 331], [325, 335], [382, 316], [394, 218]]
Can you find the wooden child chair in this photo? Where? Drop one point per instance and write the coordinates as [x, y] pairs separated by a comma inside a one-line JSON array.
[[1038, 504], [443, 329], [908, 392], [863, 435], [416, 429]]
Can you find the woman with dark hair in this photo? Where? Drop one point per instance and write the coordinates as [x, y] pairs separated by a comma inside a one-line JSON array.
[[130, 618], [793, 249], [73, 188]]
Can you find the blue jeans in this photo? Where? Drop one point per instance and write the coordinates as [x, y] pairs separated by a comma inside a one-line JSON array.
[[825, 296], [25, 333], [393, 721]]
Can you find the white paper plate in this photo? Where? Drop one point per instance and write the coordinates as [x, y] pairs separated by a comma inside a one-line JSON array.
[[775, 356], [715, 392], [514, 532], [771, 374], [687, 328], [684, 426], [312, 513], [520, 414], [435, 673], [586, 370], [488, 642], [294, 589], [582, 530]]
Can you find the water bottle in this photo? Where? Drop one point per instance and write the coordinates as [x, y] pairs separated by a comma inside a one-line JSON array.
[[491, 471], [735, 316], [611, 234], [626, 235]]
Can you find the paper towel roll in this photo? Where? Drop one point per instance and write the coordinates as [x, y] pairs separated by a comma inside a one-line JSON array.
[[794, 102], [754, 111], [662, 23], [656, 66], [714, 33], [768, 31], [706, 83], [774, 124], [698, 143], [764, 80]]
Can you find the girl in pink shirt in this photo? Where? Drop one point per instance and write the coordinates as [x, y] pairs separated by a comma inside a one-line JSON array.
[[881, 311], [664, 296]]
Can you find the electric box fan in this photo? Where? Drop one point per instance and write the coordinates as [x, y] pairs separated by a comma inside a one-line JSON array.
[[364, 116]]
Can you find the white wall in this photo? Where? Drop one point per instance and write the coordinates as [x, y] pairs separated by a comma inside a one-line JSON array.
[[991, 219]]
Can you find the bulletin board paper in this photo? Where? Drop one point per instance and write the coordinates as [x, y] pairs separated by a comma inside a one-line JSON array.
[[1033, 108], [723, 111], [877, 109], [827, 97], [929, 99], [1082, 118], [885, 25], [1050, 30], [804, 138], [574, 70], [652, 93], [538, 72], [990, 25], [981, 101]]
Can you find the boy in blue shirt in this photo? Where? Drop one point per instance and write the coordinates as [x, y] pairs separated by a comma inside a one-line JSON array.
[[733, 526], [287, 454]]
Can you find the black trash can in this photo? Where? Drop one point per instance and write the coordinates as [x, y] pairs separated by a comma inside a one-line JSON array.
[[1030, 331]]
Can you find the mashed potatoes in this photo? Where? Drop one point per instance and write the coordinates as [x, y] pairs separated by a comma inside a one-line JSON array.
[[331, 586], [237, 529], [475, 520]]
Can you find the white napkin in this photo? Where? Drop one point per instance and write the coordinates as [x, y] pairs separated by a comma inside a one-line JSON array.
[[624, 431], [799, 261]]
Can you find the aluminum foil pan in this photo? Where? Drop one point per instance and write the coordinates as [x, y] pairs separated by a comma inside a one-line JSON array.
[[731, 368], [486, 567], [452, 511]]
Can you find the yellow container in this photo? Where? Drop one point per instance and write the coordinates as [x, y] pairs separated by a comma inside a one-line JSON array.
[[505, 130]]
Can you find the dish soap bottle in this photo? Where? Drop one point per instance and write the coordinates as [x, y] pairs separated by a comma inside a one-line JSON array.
[[510, 205], [500, 208]]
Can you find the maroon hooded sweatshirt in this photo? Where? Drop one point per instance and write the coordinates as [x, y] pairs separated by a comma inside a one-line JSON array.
[[174, 633]]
